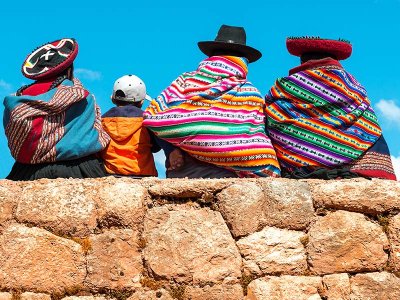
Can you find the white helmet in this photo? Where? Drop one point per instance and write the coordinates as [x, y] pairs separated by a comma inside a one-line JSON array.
[[129, 88]]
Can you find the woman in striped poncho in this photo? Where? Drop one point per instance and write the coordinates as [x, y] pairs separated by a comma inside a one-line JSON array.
[[320, 119], [215, 115], [53, 125]]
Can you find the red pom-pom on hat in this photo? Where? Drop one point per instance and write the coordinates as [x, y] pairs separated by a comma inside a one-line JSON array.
[[340, 49]]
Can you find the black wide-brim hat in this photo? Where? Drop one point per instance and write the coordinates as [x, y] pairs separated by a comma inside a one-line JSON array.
[[50, 59], [230, 39], [340, 49]]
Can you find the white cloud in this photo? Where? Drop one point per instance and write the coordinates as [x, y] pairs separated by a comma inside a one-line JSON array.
[[390, 110], [396, 166], [87, 74], [5, 87]]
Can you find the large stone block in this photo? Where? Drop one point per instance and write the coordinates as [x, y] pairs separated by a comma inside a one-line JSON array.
[[114, 260], [190, 245], [33, 259], [215, 292], [285, 288], [100, 297], [202, 190], [359, 195], [394, 240], [63, 206], [288, 203], [346, 242], [142, 294], [336, 286], [377, 286], [121, 202], [242, 206], [6, 296], [273, 251], [249, 206], [35, 296], [10, 192]]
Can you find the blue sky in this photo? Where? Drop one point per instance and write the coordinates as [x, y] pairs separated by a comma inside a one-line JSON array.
[[157, 40]]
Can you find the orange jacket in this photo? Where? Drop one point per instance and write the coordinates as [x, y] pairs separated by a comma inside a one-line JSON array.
[[130, 149]]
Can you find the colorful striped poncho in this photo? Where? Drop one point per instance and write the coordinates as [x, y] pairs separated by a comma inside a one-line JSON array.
[[320, 117], [216, 116], [61, 124]]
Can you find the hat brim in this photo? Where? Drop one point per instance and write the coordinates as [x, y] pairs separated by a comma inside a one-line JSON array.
[[299, 46], [209, 48]]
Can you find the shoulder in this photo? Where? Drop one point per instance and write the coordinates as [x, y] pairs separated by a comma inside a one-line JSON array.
[[128, 111]]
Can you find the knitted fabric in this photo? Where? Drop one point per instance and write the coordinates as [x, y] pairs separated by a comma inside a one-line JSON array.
[[297, 46], [61, 124], [320, 117], [216, 116]]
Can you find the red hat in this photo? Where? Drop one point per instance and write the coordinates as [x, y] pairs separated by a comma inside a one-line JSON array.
[[50, 59], [340, 49]]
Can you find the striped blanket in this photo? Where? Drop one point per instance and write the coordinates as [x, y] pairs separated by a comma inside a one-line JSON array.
[[216, 116], [320, 117], [61, 124]]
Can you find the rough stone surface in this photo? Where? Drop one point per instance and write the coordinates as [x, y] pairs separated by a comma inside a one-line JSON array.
[[346, 242], [141, 294], [336, 286], [215, 292], [376, 286], [249, 206], [5, 296], [86, 298], [190, 245], [9, 193], [65, 207], [122, 203], [242, 206], [114, 260], [35, 296], [200, 189], [273, 251], [394, 240], [33, 259], [288, 203], [111, 238], [285, 288], [359, 195]]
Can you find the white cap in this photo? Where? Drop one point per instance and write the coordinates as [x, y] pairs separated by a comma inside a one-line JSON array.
[[129, 88]]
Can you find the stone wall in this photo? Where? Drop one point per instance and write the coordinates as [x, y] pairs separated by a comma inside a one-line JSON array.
[[199, 239]]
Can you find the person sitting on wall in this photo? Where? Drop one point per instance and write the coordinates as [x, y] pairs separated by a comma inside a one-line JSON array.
[[130, 151], [320, 119], [215, 115], [53, 125]]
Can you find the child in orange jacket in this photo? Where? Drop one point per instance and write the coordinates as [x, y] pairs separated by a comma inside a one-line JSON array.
[[130, 151]]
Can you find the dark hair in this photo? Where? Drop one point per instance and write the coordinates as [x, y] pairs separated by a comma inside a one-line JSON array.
[[225, 52], [124, 103], [315, 55]]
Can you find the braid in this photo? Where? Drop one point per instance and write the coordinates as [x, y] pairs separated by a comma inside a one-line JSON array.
[[55, 83], [58, 81], [22, 88]]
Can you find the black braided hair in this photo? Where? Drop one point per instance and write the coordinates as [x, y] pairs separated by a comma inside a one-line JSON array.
[[56, 82]]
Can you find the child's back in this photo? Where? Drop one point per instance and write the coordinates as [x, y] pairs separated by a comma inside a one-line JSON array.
[[130, 150]]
